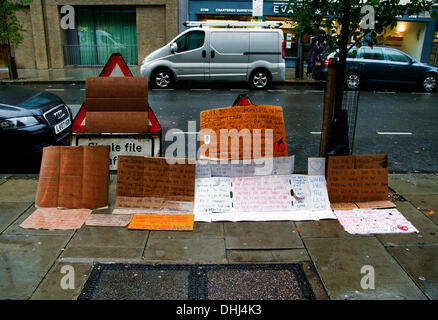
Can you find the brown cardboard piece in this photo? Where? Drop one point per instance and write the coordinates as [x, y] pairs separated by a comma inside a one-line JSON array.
[[116, 104], [240, 118], [152, 185], [73, 177], [360, 179]]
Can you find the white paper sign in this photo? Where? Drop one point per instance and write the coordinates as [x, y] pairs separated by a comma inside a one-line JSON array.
[[257, 8], [316, 166], [368, 221]]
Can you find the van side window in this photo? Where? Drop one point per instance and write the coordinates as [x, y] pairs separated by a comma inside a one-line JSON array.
[[191, 40], [373, 54]]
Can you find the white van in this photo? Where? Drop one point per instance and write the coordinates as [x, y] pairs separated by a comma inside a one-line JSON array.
[[219, 54]]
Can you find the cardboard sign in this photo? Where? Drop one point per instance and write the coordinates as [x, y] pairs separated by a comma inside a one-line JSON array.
[[56, 219], [247, 124], [118, 122], [116, 104], [73, 177], [357, 178], [153, 185], [108, 220], [180, 222]]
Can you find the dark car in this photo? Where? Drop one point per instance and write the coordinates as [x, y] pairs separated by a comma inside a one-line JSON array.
[[377, 65], [29, 121]]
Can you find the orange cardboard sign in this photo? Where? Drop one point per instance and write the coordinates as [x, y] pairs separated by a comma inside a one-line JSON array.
[[180, 222], [357, 178], [249, 125], [73, 177], [116, 104]]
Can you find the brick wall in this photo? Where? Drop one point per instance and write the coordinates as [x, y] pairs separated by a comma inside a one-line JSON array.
[[157, 24]]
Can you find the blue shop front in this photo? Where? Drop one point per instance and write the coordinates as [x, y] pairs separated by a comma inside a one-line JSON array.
[[415, 35]]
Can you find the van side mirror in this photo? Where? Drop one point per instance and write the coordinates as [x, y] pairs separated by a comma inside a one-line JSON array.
[[173, 47]]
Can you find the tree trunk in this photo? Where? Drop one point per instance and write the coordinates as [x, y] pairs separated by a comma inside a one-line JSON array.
[[343, 50]]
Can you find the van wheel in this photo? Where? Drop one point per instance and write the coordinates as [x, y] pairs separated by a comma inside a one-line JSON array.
[[429, 83], [162, 79], [260, 79]]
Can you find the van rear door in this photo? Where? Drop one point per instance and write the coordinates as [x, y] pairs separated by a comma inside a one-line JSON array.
[[265, 46], [228, 61]]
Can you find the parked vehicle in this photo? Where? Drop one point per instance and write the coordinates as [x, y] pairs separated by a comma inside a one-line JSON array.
[[378, 64], [30, 120], [219, 54]]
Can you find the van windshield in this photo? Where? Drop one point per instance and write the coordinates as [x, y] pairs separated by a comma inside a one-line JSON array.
[[191, 40]]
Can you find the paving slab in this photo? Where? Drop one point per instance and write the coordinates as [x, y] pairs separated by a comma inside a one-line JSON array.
[[261, 235], [24, 261], [89, 236], [18, 190], [314, 281], [421, 264], [201, 230], [287, 255], [16, 229], [414, 183], [321, 229], [101, 254], [428, 230], [51, 289], [425, 203], [339, 264], [186, 250], [10, 211]]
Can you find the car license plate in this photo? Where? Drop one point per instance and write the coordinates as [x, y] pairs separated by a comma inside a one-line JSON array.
[[62, 125]]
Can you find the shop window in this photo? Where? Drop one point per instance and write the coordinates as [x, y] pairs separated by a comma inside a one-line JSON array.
[[101, 32], [397, 56], [190, 41]]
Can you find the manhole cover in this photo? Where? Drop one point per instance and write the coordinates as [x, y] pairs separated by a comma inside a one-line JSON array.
[[196, 282]]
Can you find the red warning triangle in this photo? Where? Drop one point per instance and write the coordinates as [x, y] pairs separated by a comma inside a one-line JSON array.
[[115, 67]]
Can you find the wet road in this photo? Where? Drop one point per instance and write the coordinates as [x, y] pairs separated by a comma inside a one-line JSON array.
[[402, 124]]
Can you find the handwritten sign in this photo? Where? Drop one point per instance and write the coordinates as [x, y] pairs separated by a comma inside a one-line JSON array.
[[247, 124], [212, 195], [370, 221], [56, 219], [153, 185], [108, 220], [245, 168], [73, 177], [180, 222], [265, 193], [357, 178]]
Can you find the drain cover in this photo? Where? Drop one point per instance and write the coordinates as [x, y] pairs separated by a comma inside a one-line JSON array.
[[195, 282]]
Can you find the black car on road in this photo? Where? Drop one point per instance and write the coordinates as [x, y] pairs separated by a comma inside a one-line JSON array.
[[381, 65], [29, 121]]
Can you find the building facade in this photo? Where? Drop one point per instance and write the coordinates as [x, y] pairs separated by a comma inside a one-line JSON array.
[[415, 35], [133, 27]]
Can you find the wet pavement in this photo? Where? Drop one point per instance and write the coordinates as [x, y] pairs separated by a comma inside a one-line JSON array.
[[32, 261]]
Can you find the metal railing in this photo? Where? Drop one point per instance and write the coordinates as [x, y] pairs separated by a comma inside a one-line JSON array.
[[92, 55]]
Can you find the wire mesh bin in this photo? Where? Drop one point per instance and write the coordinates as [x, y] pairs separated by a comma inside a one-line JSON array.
[[350, 104], [342, 128]]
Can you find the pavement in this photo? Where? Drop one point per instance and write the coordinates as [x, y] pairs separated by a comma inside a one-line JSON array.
[[32, 261], [78, 74]]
